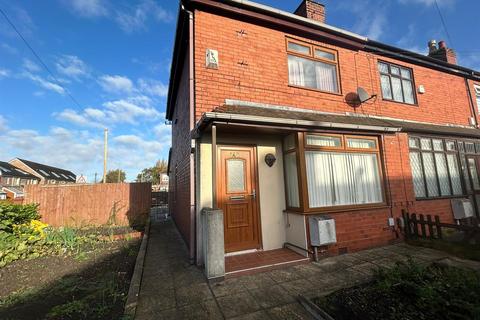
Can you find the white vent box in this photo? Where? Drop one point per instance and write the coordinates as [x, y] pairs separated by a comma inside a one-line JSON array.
[[212, 59], [462, 208], [322, 231]]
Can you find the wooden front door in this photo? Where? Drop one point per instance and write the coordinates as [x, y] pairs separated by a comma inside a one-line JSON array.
[[237, 196], [473, 167]]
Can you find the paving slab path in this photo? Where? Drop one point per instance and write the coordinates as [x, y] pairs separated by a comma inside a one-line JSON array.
[[172, 288]]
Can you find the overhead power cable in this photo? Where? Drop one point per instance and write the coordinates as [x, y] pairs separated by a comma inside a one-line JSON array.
[[37, 56], [444, 24]]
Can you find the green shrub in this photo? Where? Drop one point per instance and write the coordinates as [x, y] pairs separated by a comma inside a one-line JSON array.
[[16, 214]]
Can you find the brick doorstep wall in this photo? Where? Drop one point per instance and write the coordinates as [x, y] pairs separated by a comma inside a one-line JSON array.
[[263, 77], [179, 196]]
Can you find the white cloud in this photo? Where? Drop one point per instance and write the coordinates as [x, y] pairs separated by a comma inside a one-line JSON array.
[[72, 66], [4, 73], [44, 83], [136, 20], [8, 48], [21, 18], [130, 110], [428, 3], [31, 66], [3, 123], [87, 8], [371, 17], [116, 84], [153, 87]]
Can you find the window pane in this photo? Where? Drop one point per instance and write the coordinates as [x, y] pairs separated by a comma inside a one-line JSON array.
[[386, 89], [235, 175], [454, 174], [442, 171], [469, 147], [397, 89], [382, 67], [413, 143], [426, 144], [395, 70], [312, 74], [417, 174], [291, 180], [474, 174], [477, 147], [342, 179], [326, 75], [430, 175], [299, 48], [437, 145], [406, 74], [324, 141], [324, 54], [466, 177], [361, 143], [289, 142], [408, 91], [450, 145]]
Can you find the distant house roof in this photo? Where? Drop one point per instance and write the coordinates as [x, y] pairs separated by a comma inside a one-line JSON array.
[[17, 191], [49, 172], [8, 170]]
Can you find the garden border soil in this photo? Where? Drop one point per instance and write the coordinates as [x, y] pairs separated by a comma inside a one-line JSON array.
[[313, 309], [136, 281]]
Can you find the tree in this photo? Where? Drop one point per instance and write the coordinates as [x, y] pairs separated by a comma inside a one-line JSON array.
[[114, 176], [154, 173]]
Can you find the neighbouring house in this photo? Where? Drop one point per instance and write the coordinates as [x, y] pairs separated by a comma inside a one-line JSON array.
[[15, 177], [13, 192], [278, 117], [46, 174]]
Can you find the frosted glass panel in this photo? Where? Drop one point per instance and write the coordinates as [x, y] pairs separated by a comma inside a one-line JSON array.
[[291, 180], [430, 175], [361, 143], [474, 174], [235, 175], [342, 179], [454, 174], [417, 173], [442, 170], [397, 89], [386, 89], [324, 141]]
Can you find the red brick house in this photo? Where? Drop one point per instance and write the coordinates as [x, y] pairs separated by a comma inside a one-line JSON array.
[[268, 125]]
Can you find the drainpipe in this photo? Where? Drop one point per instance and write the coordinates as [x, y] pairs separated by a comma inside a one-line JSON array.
[[191, 80], [472, 105], [214, 166]]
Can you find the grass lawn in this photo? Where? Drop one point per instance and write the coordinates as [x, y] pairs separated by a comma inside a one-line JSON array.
[[409, 291], [90, 284]]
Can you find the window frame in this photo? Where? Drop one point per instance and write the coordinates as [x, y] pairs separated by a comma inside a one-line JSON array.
[[311, 56], [476, 91], [302, 147], [445, 151], [390, 75]]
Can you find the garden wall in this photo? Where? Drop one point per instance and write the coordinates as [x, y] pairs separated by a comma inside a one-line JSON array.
[[91, 204]]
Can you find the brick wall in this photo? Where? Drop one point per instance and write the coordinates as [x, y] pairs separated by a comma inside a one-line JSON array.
[[253, 66], [179, 199]]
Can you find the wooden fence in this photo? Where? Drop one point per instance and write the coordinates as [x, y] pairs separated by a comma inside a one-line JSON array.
[[426, 226], [91, 204]]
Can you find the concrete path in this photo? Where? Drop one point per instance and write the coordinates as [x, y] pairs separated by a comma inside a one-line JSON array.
[[173, 289]]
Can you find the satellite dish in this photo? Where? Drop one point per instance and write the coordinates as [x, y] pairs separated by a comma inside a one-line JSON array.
[[363, 95]]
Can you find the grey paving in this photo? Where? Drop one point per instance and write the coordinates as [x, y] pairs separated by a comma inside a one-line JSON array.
[[172, 288]]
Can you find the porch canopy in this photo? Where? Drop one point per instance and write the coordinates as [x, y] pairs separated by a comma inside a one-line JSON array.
[[239, 116]]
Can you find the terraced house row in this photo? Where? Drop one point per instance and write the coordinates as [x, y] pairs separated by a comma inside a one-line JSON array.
[[279, 118]]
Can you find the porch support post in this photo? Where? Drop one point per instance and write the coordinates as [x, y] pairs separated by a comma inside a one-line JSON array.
[[214, 166]]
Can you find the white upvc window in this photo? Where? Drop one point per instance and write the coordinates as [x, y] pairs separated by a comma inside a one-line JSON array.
[[477, 96]]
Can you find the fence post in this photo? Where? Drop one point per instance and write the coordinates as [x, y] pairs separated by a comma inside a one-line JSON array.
[[422, 226], [415, 224], [439, 227], [430, 226]]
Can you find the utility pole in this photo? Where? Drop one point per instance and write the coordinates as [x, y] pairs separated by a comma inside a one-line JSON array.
[[105, 155]]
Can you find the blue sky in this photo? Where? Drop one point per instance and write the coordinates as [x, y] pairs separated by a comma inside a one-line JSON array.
[[113, 58]]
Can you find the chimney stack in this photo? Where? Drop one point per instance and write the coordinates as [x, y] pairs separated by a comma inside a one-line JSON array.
[[442, 52], [312, 10]]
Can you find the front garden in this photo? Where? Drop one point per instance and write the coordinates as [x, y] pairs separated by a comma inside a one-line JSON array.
[[62, 273], [409, 291]]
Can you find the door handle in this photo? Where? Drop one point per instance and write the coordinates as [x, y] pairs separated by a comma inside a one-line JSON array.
[[253, 194]]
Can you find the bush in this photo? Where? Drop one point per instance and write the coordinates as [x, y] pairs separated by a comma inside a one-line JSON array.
[[410, 291], [16, 214]]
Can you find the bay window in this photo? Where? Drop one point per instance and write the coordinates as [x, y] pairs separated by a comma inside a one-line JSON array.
[[312, 67], [336, 171], [435, 167]]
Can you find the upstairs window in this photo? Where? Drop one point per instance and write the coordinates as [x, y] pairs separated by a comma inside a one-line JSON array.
[[477, 95], [312, 67], [397, 83]]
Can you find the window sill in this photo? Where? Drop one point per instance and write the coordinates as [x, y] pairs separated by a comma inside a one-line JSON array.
[[315, 90], [441, 198], [402, 103], [329, 210]]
